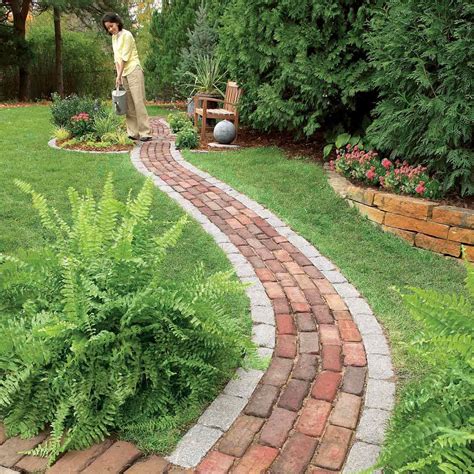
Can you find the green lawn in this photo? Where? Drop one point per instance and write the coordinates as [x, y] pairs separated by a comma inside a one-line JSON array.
[[25, 155], [376, 263]]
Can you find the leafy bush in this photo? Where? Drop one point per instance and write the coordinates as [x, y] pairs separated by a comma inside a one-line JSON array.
[[432, 430], [187, 138], [340, 141], [302, 64], [87, 63], [62, 110], [61, 134], [366, 166], [179, 121], [168, 37], [81, 124], [90, 331], [108, 123], [422, 54]]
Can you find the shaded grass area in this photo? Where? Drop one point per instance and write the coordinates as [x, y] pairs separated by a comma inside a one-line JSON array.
[[376, 263], [25, 155]]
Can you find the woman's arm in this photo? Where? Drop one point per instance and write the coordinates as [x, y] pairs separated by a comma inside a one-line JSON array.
[[119, 68]]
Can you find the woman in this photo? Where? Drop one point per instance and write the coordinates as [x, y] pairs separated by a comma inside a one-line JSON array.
[[130, 75]]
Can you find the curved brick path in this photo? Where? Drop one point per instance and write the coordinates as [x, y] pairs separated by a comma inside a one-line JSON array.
[[318, 408]]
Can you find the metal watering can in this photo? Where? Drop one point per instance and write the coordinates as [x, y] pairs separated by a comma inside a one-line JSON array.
[[119, 101]]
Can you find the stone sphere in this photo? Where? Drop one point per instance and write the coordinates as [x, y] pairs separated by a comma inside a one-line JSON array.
[[224, 132]]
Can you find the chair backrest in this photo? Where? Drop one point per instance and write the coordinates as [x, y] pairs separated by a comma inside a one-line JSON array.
[[232, 96]]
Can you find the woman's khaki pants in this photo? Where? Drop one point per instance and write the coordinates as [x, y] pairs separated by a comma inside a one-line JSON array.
[[138, 124]]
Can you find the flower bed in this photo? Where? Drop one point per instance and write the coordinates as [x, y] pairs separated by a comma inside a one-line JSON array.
[[84, 124], [399, 177]]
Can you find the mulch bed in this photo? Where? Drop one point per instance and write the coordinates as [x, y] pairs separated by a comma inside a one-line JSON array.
[[15, 105], [84, 147], [292, 147]]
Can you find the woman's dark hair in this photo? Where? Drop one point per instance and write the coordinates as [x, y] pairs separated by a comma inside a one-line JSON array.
[[112, 18]]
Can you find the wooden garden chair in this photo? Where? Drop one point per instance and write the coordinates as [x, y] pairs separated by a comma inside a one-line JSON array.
[[229, 110]]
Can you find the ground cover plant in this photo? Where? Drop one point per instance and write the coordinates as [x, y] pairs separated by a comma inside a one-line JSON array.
[[51, 172]]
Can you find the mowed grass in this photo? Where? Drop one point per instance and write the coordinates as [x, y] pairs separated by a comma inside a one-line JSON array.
[[376, 263], [25, 155]]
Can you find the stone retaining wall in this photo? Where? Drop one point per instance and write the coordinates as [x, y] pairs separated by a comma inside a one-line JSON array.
[[422, 223]]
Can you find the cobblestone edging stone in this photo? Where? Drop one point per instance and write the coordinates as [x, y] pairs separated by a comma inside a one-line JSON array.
[[52, 144], [322, 405]]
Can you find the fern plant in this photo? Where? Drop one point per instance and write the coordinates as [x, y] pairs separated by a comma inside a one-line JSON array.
[[432, 430], [89, 333]]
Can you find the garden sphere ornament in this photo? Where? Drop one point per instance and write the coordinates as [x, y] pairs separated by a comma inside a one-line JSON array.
[[224, 132]]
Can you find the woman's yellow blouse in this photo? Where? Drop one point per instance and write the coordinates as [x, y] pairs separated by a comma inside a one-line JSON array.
[[125, 49]]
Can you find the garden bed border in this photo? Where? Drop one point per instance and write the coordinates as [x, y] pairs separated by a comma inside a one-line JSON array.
[[422, 223], [52, 144]]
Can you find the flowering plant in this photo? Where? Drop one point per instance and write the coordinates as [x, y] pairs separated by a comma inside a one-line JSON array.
[[397, 176], [81, 124]]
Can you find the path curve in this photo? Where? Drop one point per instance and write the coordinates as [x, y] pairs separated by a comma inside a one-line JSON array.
[[316, 406], [322, 405]]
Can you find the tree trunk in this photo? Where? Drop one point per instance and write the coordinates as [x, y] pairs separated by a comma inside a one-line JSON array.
[[59, 55], [20, 10]]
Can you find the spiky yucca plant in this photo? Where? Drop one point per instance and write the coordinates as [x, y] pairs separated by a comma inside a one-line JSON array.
[[432, 430], [88, 330]]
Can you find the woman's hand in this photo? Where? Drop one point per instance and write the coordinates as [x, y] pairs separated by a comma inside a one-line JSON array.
[[118, 82]]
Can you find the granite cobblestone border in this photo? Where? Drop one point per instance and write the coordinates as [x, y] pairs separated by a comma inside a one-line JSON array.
[[52, 144], [324, 402]]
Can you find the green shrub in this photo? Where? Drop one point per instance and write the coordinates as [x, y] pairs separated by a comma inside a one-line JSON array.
[[179, 121], [90, 331], [61, 134], [187, 138], [302, 64], [422, 54], [62, 110], [108, 123], [87, 62], [432, 430], [168, 36]]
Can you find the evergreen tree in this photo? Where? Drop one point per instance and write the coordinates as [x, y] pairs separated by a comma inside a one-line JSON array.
[[302, 64], [423, 55], [202, 40]]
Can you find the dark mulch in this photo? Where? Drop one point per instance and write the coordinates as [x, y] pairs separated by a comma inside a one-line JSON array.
[[293, 148]]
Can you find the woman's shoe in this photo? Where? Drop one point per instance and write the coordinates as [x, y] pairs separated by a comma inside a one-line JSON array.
[[145, 139], [133, 138]]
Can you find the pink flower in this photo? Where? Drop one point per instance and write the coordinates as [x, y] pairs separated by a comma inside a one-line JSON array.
[[386, 163], [370, 174], [420, 189]]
